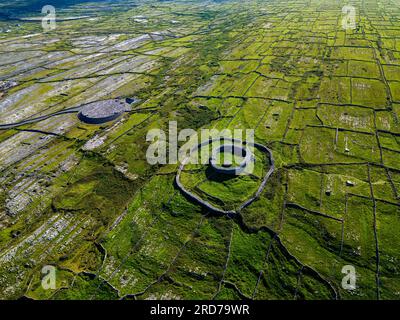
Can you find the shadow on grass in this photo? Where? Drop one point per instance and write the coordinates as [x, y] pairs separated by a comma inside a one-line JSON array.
[[213, 175]]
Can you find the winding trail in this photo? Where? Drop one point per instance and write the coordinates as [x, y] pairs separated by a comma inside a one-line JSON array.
[[7, 126]]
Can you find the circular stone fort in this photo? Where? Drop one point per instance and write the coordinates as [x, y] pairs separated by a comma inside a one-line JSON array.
[[235, 151], [102, 111], [236, 148]]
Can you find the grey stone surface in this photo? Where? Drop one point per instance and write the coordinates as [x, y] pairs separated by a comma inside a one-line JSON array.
[[102, 111]]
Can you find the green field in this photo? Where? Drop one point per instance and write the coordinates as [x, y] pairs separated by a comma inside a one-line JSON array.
[[83, 198]]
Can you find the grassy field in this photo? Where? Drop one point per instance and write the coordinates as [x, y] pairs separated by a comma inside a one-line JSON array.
[[84, 199]]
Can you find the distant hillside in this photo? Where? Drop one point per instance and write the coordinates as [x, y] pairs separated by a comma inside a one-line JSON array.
[[12, 8]]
